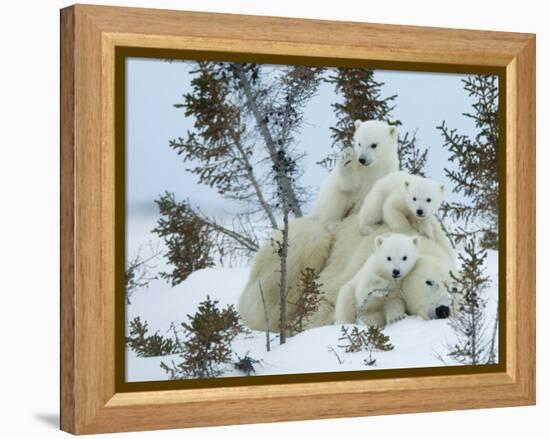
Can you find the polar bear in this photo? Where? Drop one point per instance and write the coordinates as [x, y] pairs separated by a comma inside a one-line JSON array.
[[309, 244], [373, 155], [425, 289], [405, 202], [398, 197], [350, 250], [373, 295]]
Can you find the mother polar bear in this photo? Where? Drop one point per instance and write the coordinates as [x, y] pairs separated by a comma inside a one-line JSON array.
[[373, 156]]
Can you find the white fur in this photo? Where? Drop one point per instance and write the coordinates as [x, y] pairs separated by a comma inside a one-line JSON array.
[[405, 202], [373, 294], [425, 288], [349, 252], [397, 199], [375, 144], [338, 256], [309, 246]]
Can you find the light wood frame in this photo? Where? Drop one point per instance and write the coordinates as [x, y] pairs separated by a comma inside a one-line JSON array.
[[89, 36]]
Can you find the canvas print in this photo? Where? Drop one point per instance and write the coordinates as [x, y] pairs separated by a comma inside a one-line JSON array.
[[289, 219]]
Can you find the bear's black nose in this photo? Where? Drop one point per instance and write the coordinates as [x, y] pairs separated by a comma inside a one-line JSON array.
[[395, 273], [362, 160], [419, 212], [442, 312]]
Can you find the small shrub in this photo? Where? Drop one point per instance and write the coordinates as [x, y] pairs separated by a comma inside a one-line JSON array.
[[370, 340], [206, 348], [148, 346], [246, 364], [308, 299], [469, 323]]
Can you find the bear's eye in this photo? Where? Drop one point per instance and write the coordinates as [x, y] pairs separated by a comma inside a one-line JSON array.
[[374, 145], [429, 283], [429, 200], [414, 198], [389, 259], [404, 258]]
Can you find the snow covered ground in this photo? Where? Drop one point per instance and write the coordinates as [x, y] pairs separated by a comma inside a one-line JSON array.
[[417, 343]]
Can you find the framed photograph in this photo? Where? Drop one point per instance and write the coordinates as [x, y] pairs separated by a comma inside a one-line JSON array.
[[267, 219]]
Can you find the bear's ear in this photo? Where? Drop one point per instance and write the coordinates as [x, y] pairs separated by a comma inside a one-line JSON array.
[[357, 123], [393, 131], [442, 188], [415, 241], [407, 184], [378, 241]]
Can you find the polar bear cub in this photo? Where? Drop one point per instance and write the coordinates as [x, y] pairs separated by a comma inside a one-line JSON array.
[[403, 201], [373, 155], [373, 294]]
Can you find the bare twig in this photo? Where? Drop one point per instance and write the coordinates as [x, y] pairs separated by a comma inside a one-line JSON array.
[[266, 316], [491, 357], [377, 292], [283, 255], [246, 242], [332, 350], [259, 194], [136, 274]]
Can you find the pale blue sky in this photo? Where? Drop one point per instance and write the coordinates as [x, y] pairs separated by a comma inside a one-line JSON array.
[[153, 86]]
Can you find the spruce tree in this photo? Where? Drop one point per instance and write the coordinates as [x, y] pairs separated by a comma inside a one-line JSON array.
[[285, 168], [188, 240], [469, 322], [475, 175], [362, 99], [244, 115], [412, 158]]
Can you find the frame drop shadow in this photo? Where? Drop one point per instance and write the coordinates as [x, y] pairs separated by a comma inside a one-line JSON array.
[[49, 419]]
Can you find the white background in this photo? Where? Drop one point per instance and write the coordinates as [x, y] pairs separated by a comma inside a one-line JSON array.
[[29, 182]]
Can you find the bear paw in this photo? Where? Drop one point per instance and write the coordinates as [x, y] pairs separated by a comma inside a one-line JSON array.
[[346, 156], [395, 318], [426, 229], [374, 319]]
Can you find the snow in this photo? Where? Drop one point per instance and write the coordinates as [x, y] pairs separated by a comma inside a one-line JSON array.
[[417, 343], [152, 169]]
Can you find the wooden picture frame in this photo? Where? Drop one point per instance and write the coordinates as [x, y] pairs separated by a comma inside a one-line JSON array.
[[91, 400]]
